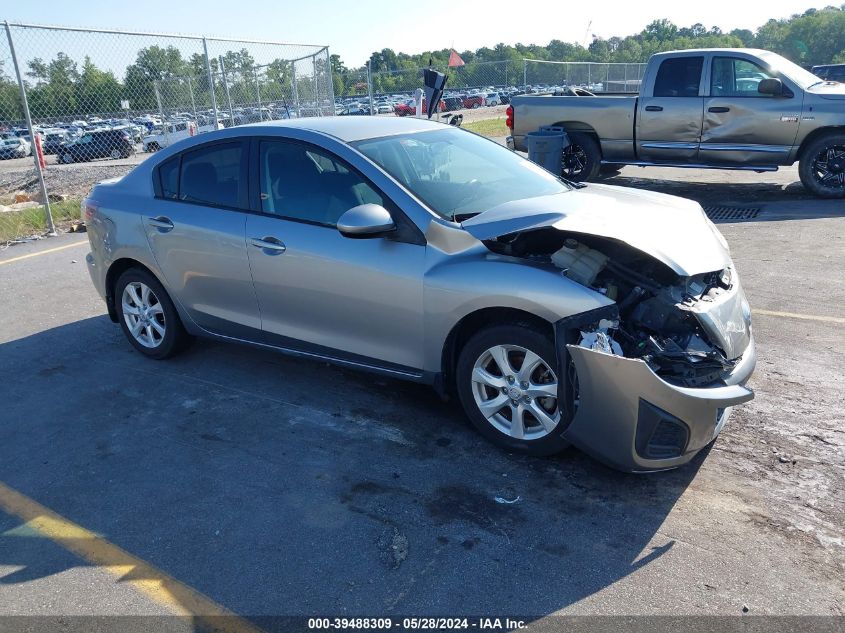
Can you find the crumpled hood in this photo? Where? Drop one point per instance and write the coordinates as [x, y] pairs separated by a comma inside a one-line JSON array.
[[673, 230]]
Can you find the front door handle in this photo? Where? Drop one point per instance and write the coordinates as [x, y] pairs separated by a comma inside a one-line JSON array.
[[161, 222], [654, 108], [269, 244], [719, 109]]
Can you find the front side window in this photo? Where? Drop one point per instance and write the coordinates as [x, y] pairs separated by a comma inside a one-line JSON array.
[[735, 77], [678, 77], [212, 175], [300, 182]]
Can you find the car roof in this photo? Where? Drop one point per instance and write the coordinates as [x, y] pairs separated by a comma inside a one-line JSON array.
[[350, 129]]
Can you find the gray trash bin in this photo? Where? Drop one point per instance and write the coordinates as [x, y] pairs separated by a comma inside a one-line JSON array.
[[545, 147]]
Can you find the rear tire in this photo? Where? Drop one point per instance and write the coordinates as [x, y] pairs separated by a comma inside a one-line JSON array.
[[822, 166], [147, 315], [522, 390], [582, 158]]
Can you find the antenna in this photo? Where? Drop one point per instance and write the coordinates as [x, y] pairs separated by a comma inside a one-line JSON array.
[[587, 33]]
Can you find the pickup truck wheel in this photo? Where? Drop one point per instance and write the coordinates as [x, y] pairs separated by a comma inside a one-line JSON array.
[[581, 158], [507, 384], [822, 167]]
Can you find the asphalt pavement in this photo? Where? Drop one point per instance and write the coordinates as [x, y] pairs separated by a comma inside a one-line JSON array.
[[278, 486]]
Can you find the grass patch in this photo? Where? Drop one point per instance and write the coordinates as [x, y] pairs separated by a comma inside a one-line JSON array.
[[488, 127], [27, 222]]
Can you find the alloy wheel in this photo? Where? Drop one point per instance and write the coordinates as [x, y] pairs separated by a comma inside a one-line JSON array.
[[516, 391], [143, 314], [828, 167], [574, 161]]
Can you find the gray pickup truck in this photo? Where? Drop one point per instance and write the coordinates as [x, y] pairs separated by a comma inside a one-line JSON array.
[[714, 108]]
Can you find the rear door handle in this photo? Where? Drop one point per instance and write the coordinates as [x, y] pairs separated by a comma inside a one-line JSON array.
[[269, 244], [654, 108], [719, 109], [161, 222]]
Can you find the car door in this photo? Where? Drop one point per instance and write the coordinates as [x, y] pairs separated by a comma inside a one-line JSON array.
[[669, 118], [321, 292], [195, 227], [741, 125]]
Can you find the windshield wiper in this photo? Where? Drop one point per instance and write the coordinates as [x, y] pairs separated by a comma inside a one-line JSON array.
[[460, 217]]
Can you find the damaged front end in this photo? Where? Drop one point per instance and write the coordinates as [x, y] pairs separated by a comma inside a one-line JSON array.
[[646, 381]]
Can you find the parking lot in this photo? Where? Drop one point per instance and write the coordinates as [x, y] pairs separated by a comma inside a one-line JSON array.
[[236, 481]]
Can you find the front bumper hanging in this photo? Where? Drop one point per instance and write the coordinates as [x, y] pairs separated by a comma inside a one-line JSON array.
[[626, 416]]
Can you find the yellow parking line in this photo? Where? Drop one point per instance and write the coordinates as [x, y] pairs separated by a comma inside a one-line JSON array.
[[154, 583], [45, 252], [794, 315]]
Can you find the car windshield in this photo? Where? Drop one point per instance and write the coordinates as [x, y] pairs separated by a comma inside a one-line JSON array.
[[457, 173], [803, 78]]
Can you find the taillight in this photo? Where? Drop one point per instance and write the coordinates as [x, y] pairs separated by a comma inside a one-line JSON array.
[[509, 120]]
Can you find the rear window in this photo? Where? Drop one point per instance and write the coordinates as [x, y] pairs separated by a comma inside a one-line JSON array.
[[679, 77]]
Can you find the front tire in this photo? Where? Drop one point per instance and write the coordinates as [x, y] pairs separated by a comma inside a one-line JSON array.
[[506, 381], [147, 315], [822, 166], [582, 158]]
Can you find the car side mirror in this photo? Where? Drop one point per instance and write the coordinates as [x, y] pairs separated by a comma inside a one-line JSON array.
[[771, 86], [365, 220]]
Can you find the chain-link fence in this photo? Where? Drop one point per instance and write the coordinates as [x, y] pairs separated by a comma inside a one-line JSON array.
[[99, 101], [542, 76], [479, 84]]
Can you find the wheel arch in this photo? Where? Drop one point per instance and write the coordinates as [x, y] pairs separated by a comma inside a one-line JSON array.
[[578, 126], [117, 268], [474, 322], [815, 135]]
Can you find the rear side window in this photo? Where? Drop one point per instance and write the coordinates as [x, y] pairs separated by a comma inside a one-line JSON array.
[[168, 175], [679, 77], [212, 175]]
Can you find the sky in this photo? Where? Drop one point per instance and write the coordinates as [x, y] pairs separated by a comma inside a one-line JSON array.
[[355, 28]]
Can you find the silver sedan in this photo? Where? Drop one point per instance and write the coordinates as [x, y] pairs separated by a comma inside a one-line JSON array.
[[556, 314]]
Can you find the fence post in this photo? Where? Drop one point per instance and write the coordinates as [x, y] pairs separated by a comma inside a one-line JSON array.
[[210, 83], [165, 126], [226, 85], [193, 103], [295, 88], [48, 213], [370, 87], [317, 105], [524, 73]]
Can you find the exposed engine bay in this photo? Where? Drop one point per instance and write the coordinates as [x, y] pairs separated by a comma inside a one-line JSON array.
[[657, 308]]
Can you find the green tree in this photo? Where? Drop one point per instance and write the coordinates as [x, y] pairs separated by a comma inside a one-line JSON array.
[[151, 65]]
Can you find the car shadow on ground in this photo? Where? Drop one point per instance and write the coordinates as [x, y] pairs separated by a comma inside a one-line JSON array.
[[280, 486]]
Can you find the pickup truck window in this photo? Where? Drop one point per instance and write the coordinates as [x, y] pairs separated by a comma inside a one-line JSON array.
[[735, 77], [679, 77]]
